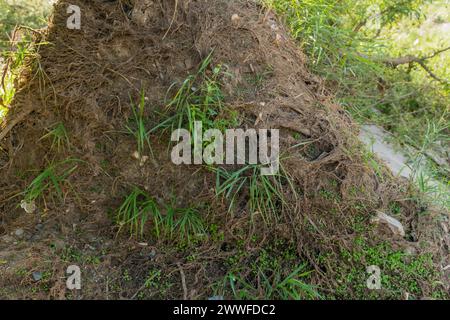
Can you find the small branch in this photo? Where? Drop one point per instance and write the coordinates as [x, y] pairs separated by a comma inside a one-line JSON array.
[[436, 53], [395, 62], [183, 282], [430, 73]]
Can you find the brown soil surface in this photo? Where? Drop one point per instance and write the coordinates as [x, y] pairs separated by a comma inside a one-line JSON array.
[[85, 78]]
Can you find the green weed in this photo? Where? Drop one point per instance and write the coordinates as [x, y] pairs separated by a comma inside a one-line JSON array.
[[271, 272], [203, 103], [59, 137], [135, 212], [400, 272], [51, 179], [139, 130], [264, 192], [169, 223]]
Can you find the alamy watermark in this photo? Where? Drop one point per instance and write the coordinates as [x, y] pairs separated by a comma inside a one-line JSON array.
[[74, 278], [374, 280], [74, 21], [236, 146]]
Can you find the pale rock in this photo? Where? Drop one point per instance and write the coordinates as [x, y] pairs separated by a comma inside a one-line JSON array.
[[135, 155], [279, 39], [235, 19], [143, 160], [394, 225], [29, 207], [411, 251], [19, 233]]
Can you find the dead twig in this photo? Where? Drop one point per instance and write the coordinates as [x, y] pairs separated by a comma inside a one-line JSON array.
[[183, 281]]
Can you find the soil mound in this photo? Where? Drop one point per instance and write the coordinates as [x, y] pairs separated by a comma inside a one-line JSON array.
[[238, 59]]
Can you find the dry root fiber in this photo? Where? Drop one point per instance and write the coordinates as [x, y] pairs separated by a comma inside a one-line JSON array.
[[85, 78]]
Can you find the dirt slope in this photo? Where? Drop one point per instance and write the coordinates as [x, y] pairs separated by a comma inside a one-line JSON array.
[[85, 78]]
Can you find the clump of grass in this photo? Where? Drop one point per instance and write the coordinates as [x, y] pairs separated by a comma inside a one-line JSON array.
[[272, 271], [189, 224], [139, 130], [21, 57], [202, 103], [171, 223], [51, 179], [264, 192], [15, 61], [59, 137], [135, 212], [273, 286]]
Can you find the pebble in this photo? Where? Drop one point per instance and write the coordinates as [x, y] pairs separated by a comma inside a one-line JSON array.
[[37, 276], [19, 233]]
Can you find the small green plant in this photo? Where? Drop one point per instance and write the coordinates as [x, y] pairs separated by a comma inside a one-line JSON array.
[[172, 223], [139, 130], [52, 178], [183, 224], [203, 103], [400, 272], [153, 279], [189, 224], [135, 211], [15, 61], [273, 286], [264, 192], [32, 13], [22, 56], [59, 137]]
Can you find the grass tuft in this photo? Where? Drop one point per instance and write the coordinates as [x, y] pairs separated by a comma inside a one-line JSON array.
[[264, 192], [51, 179], [135, 211], [273, 286], [202, 103], [182, 224], [59, 137], [139, 130]]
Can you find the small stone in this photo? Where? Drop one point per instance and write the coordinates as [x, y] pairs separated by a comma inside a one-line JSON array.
[[188, 63], [279, 39], [58, 244], [37, 276], [143, 161], [29, 207], [35, 238], [394, 225], [135, 155], [215, 298], [152, 254], [19, 233], [444, 227], [235, 19], [411, 251]]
